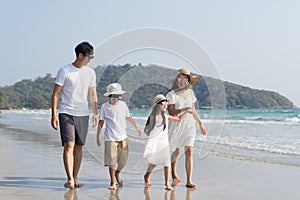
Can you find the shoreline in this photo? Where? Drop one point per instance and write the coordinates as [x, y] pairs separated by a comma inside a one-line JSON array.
[[33, 170]]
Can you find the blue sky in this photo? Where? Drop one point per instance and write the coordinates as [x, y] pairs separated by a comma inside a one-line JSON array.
[[253, 43]]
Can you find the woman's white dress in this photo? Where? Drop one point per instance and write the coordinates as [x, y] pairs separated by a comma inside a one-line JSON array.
[[182, 133], [157, 150]]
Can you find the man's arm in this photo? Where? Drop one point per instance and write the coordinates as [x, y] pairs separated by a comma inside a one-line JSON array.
[[94, 104], [54, 102], [100, 125]]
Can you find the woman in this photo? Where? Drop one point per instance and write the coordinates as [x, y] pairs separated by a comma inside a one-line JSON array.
[[182, 134]]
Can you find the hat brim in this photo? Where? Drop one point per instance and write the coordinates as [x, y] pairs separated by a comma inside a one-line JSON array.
[[160, 100], [193, 79], [118, 92]]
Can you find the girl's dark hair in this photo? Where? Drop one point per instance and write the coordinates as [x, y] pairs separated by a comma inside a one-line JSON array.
[[152, 119], [84, 48]]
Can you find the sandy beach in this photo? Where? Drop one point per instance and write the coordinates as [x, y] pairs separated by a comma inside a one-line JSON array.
[[31, 169]]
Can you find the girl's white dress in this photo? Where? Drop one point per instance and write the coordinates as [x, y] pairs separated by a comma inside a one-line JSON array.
[[182, 133], [157, 150]]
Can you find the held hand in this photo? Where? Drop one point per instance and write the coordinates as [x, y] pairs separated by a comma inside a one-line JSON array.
[[139, 131], [190, 110], [54, 123], [95, 120], [203, 129]]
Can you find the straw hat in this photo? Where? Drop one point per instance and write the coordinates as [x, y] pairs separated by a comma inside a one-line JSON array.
[[184, 71], [159, 98], [114, 88]]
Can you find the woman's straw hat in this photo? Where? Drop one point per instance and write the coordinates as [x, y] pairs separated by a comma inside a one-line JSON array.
[[184, 71], [114, 88]]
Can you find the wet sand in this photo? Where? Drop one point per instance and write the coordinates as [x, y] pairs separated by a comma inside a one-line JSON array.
[[34, 170]]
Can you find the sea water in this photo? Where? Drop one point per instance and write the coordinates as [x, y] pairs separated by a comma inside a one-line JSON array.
[[259, 135]]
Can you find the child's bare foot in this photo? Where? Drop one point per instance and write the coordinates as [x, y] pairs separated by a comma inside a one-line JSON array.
[[176, 179], [191, 185], [147, 180], [169, 188], [119, 180], [112, 187]]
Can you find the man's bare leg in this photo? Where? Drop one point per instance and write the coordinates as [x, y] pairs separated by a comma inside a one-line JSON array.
[[69, 163], [77, 162]]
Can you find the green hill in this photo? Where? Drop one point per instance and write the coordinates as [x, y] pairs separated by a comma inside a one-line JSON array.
[[141, 84]]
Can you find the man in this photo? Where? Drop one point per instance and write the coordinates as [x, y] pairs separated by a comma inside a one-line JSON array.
[[74, 83]]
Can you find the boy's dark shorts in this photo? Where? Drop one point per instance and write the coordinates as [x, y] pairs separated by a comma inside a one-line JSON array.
[[73, 128]]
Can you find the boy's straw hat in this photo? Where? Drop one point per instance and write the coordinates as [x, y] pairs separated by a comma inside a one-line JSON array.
[[114, 88]]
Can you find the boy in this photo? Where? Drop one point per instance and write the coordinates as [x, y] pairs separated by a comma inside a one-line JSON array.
[[114, 113]]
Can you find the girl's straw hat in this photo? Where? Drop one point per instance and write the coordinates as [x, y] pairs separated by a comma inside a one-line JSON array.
[[184, 71], [159, 98]]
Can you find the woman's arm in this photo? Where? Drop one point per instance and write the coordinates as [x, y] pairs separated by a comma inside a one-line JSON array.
[[172, 111], [199, 121], [180, 117]]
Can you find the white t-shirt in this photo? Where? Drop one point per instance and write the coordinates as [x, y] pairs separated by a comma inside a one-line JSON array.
[[115, 120], [75, 84]]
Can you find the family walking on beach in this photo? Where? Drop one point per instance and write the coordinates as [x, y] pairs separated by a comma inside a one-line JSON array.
[[167, 133]]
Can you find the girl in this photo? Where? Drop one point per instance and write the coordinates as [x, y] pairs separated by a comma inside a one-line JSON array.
[[157, 151]]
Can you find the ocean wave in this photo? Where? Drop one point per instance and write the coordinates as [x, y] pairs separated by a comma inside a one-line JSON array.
[[283, 146]]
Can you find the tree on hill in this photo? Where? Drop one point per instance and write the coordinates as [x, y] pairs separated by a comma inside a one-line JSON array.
[[142, 83]]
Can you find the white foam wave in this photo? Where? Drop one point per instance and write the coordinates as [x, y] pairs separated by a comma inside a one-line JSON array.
[[276, 146]]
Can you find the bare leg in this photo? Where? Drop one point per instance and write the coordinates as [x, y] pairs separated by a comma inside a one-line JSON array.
[[167, 178], [112, 178], [122, 160], [189, 166], [77, 162], [69, 163], [117, 175], [147, 176], [174, 163]]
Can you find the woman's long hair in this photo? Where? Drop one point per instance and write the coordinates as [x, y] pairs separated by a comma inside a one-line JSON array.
[[152, 119]]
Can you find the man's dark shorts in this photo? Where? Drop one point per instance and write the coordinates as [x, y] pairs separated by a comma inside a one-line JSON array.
[[73, 128]]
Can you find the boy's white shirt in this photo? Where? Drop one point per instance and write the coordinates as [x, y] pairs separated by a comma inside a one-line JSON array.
[[114, 117]]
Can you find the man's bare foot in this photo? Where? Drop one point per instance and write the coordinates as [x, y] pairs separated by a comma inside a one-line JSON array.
[[119, 180], [78, 184], [69, 184], [147, 181]]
